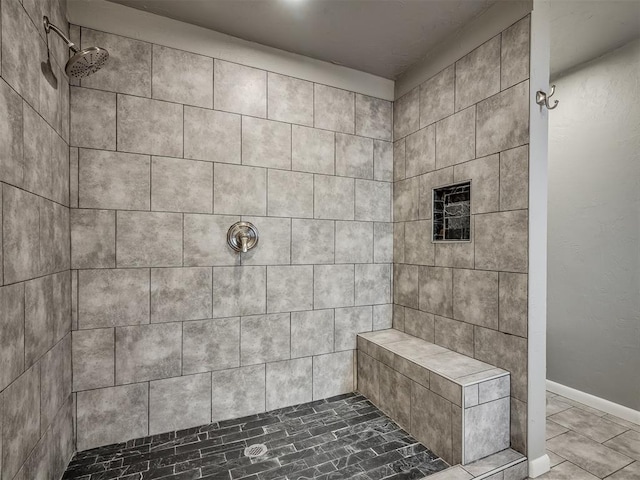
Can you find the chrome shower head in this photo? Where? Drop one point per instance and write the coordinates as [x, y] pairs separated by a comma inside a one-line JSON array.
[[83, 62]]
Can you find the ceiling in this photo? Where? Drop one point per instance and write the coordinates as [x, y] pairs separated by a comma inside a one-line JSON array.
[[582, 30], [382, 37]]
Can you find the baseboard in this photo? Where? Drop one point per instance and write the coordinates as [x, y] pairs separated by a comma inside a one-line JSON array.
[[539, 466], [598, 403]]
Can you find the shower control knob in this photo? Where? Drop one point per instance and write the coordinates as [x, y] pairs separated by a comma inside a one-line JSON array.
[[242, 236]]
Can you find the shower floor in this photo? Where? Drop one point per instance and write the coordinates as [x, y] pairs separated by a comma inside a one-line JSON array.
[[338, 438]]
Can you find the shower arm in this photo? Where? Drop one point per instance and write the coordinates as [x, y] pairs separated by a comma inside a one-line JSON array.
[[48, 26]]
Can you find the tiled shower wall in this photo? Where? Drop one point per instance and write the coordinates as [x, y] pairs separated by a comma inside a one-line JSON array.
[[173, 329], [468, 122], [36, 409]]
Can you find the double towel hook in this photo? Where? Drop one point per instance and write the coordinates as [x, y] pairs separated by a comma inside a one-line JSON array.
[[542, 98]]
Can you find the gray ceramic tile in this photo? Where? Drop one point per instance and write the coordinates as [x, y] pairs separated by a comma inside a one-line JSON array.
[[420, 152], [589, 425], [37, 167], [582, 406], [419, 324], [334, 109], [55, 381], [333, 374], [289, 288], [492, 462], [406, 198], [12, 334], [568, 471], [114, 180], [620, 421], [289, 99], [11, 139], [553, 429], [20, 226], [205, 240], [182, 77], [148, 352], [518, 425], [93, 238], [627, 473], [21, 420], [398, 242], [406, 115], [398, 315], [513, 303], [475, 297], [180, 294], [436, 290], [395, 395], [405, 284], [354, 242], [504, 351], [54, 237], [312, 241], [312, 150], [112, 415], [457, 336], [478, 74], [486, 429], [290, 194], [497, 250], [587, 454], [452, 364], [427, 183], [275, 242], [211, 135], [148, 239], [93, 358], [373, 117], [289, 383], [238, 392], [167, 409], [239, 291], [382, 161], [93, 118], [494, 389], [555, 459], [239, 190], [348, 323], [373, 201], [181, 185], [333, 286], [471, 396], [333, 197], [63, 437], [354, 156], [456, 255], [150, 126], [446, 388], [108, 298], [38, 318], [372, 284], [266, 143], [436, 97], [514, 178], [368, 378], [399, 159], [515, 54], [452, 473], [431, 421], [383, 242], [554, 405], [210, 345], [418, 247], [61, 310], [240, 89], [311, 333], [129, 67], [503, 120], [484, 174], [456, 138], [382, 316]]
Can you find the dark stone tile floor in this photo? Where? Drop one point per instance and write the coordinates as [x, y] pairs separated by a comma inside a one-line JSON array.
[[343, 437]]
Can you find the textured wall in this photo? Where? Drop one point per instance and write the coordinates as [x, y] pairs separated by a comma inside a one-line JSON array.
[[468, 122], [36, 409], [594, 229], [171, 328]]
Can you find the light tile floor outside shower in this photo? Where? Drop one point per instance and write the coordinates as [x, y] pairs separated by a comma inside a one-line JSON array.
[[344, 437]]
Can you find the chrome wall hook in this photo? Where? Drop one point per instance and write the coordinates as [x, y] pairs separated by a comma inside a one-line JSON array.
[[542, 98]]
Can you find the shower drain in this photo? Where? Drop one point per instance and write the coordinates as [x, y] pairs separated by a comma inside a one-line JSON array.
[[256, 450]]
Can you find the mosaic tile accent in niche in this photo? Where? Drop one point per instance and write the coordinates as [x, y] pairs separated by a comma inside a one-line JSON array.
[[344, 437]]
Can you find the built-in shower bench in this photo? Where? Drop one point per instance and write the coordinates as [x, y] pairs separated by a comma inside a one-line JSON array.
[[457, 406]]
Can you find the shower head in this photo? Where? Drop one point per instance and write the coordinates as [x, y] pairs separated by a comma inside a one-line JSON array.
[[83, 62]]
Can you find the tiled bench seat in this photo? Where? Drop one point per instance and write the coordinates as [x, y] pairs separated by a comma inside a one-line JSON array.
[[458, 406]]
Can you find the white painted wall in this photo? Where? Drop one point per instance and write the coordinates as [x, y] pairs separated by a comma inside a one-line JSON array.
[[593, 342]]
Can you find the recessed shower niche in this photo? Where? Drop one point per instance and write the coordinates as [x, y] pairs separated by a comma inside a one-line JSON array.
[[452, 213]]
